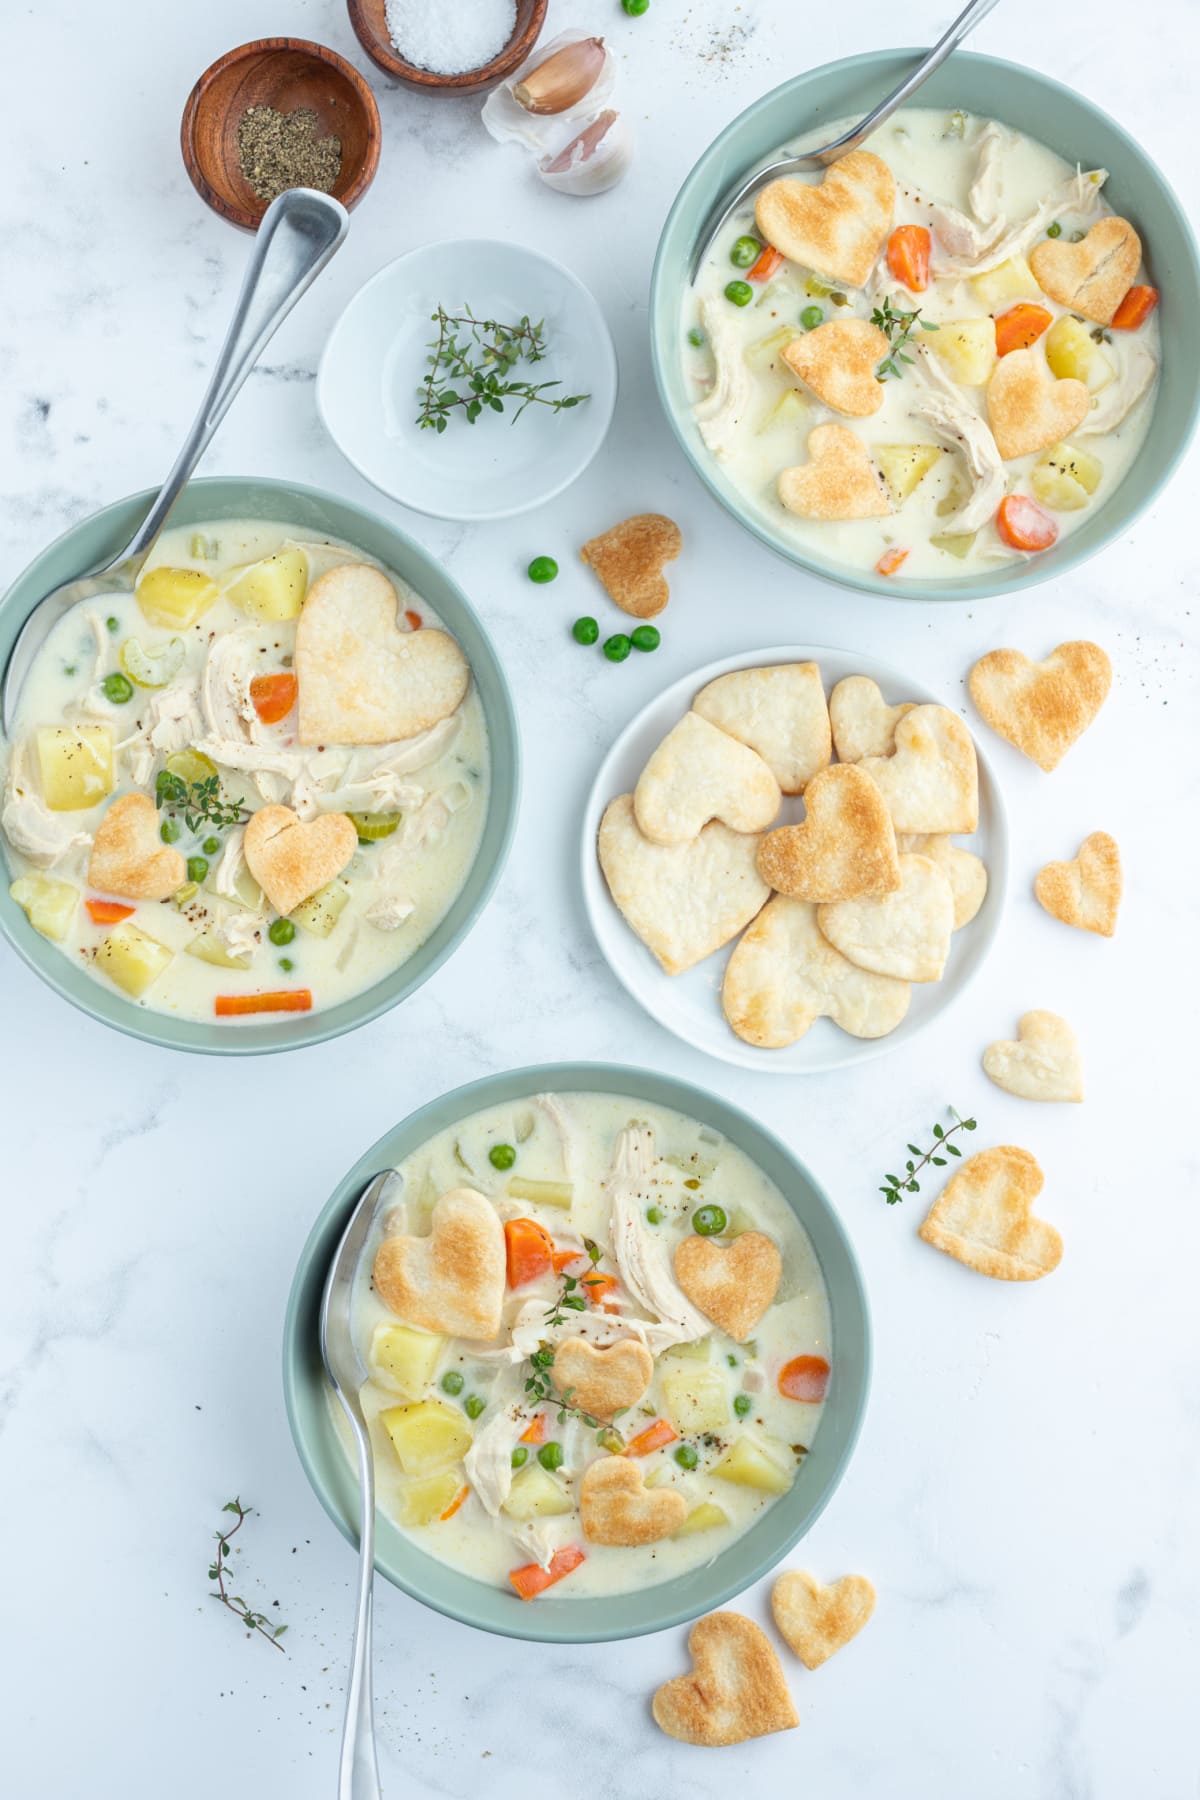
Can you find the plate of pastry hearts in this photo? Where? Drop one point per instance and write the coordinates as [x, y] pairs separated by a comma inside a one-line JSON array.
[[795, 858]]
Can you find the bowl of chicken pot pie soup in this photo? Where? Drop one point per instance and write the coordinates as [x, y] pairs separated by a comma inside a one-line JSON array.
[[616, 1347], [255, 798], [955, 364]]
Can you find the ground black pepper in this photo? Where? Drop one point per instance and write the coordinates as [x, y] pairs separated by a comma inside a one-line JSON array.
[[282, 150]]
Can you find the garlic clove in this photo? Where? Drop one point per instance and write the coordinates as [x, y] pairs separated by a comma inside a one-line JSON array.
[[544, 134], [594, 160], [566, 77]]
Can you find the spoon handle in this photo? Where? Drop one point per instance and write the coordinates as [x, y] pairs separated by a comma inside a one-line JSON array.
[[299, 233], [358, 1772]]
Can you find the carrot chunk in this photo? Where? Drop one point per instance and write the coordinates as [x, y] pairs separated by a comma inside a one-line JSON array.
[[1020, 326], [1022, 523], [273, 696], [890, 561], [769, 261], [457, 1501], [414, 619], [228, 1006], [562, 1259], [107, 912], [1135, 308], [653, 1438], [533, 1580], [528, 1251], [535, 1431], [598, 1287], [908, 256], [804, 1378]]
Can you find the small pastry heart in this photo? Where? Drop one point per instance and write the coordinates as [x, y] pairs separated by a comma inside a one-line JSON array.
[[984, 1217], [602, 1379], [780, 712], [839, 480], [289, 859], [863, 724], [733, 1285], [629, 561], [1087, 891], [1043, 1064], [835, 226], [966, 872], [129, 858], [844, 845], [735, 1691], [615, 1507], [360, 679], [453, 1280], [785, 974], [1028, 408], [700, 773], [838, 362], [931, 782], [1043, 707], [1093, 276], [905, 934], [815, 1620]]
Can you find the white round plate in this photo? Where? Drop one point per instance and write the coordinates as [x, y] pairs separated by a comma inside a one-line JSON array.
[[377, 357], [690, 1004]]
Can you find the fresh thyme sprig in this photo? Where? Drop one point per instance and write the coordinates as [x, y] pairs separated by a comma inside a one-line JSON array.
[[897, 327], [483, 353], [899, 1185], [568, 1294], [219, 1568], [201, 802]]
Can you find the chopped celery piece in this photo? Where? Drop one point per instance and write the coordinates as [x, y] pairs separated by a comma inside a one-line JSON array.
[[523, 1128], [152, 668], [460, 1159], [544, 1193], [373, 826], [202, 548], [184, 895], [190, 765], [818, 290]]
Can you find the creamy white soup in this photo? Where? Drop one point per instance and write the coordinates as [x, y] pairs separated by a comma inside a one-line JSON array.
[[172, 823], [608, 1433], [972, 459]]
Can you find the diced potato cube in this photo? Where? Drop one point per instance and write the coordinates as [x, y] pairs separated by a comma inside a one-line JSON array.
[[132, 959], [424, 1500], [321, 911], [209, 949], [745, 1464], [426, 1436], [273, 589], [175, 597], [905, 465], [404, 1359], [1073, 354], [967, 347], [49, 904], [76, 765], [705, 1517], [536, 1495], [1064, 478], [696, 1399], [792, 408], [955, 543], [1013, 280]]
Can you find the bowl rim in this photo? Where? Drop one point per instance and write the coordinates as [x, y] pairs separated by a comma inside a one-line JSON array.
[[566, 1077], [603, 347], [243, 217], [1036, 570], [143, 1024], [468, 81]]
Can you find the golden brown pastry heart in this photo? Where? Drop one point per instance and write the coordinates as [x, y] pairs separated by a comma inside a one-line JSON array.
[[838, 362], [1093, 276], [291, 860], [602, 1379], [735, 1691], [835, 226], [839, 480], [453, 1280], [1086, 891], [816, 1620], [984, 1217], [129, 858], [733, 1285], [1028, 408], [616, 1508], [1042, 708], [629, 561], [844, 846]]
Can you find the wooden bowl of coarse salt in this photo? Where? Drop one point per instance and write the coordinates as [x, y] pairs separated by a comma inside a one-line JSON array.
[[448, 48]]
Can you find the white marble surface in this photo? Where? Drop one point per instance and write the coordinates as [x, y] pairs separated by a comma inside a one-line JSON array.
[[1024, 1495]]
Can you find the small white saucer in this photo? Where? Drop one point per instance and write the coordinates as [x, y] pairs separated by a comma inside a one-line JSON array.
[[376, 359]]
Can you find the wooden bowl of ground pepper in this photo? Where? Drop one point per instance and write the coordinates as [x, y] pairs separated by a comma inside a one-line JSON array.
[[279, 113]]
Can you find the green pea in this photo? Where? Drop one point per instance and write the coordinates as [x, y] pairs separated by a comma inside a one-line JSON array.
[[70, 669], [473, 1405], [502, 1156], [210, 846], [742, 1404], [686, 1457], [745, 252], [113, 623], [811, 317], [520, 1456], [1054, 230], [740, 292], [709, 1221], [696, 336], [543, 568], [286, 964], [117, 688], [732, 1361], [281, 931], [617, 647], [654, 1215], [550, 1456], [197, 868], [168, 831], [585, 630], [452, 1382], [645, 637], [635, 8]]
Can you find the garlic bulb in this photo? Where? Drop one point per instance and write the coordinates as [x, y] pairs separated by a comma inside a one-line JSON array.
[[580, 144], [594, 160], [563, 79]]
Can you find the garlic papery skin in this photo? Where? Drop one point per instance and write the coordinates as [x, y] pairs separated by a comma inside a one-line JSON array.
[[594, 160], [545, 134], [563, 79]]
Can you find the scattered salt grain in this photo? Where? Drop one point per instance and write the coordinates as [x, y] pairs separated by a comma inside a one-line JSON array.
[[452, 37]]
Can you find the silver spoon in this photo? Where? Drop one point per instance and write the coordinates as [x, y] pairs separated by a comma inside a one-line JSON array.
[[850, 140], [358, 1773], [299, 233]]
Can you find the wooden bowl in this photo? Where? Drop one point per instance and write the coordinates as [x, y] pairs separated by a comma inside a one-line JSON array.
[[286, 73], [369, 20]]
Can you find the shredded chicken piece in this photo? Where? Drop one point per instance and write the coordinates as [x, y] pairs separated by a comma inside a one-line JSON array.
[[986, 195], [255, 758], [172, 722], [488, 1463], [389, 910], [426, 824], [959, 236], [943, 405], [560, 1118], [1080, 195], [722, 411], [240, 932], [1115, 402], [539, 1539], [103, 639], [42, 836], [417, 752], [225, 687], [753, 1380], [641, 1256], [374, 793], [233, 861]]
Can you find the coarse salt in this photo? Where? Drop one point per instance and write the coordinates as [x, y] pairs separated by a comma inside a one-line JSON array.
[[453, 37]]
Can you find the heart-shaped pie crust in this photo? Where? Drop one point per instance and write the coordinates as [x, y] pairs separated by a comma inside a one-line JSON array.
[[780, 712], [838, 362], [735, 1691], [835, 226], [629, 561], [1028, 408], [905, 934], [814, 1620], [453, 1280], [966, 872], [984, 1217], [291, 860], [930, 783], [844, 845], [616, 1508], [734, 1284], [129, 858], [1043, 707], [602, 1379], [785, 974], [839, 480], [1086, 891], [1093, 276], [683, 900], [360, 679], [700, 773], [1043, 1064], [863, 723]]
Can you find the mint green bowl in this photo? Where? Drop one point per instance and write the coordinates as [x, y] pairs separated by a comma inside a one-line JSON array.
[[556, 1618], [1029, 102], [93, 542]]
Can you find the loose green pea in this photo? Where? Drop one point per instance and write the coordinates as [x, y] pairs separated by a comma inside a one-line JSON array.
[[686, 1457], [281, 931], [520, 1456], [742, 1404], [811, 317], [452, 1382], [635, 8], [745, 252], [286, 964], [645, 637], [585, 630], [1054, 230], [550, 1456], [740, 292], [473, 1405], [502, 1156], [210, 846], [197, 868], [117, 688], [696, 336], [709, 1221], [617, 647], [168, 831], [113, 623], [654, 1215], [543, 568]]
